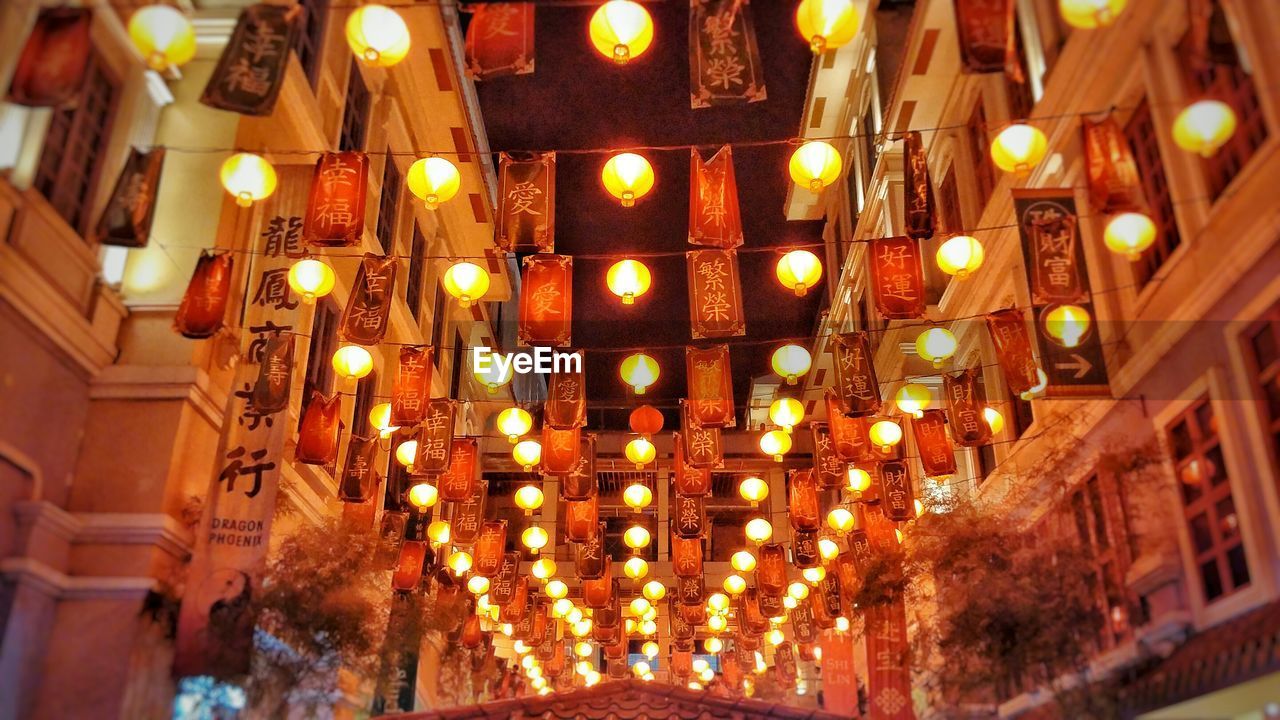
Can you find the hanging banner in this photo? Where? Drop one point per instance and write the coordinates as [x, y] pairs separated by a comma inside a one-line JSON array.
[[271, 391], [598, 592], [514, 608], [503, 586], [897, 494], [690, 516], [126, 221], [499, 40], [359, 480], [702, 446], [828, 465], [1114, 185], [581, 483], [566, 405], [368, 311], [936, 454], [965, 403], [590, 564], [609, 616], [689, 480], [464, 526], [771, 605], [849, 436], [681, 665], [986, 34], [526, 217], [561, 450], [830, 595], [715, 294], [803, 627], [50, 70], [489, 547], [857, 388], [335, 209], [470, 637], [749, 616], [681, 630], [1013, 349], [459, 481], [710, 386], [411, 387], [320, 430], [897, 278], [251, 69], [714, 218], [784, 661], [204, 303], [523, 629], [408, 572], [581, 518], [435, 438], [839, 679], [805, 514], [804, 548], [691, 592], [888, 654], [724, 60], [546, 300], [918, 204], [771, 570], [686, 556]]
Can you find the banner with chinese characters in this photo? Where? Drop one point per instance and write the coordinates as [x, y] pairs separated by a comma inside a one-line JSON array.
[[936, 455], [408, 570], [686, 556], [771, 570], [857, 388], [849, 436], [724, 60], [889, 683], [897, 278], [702, 446], [828, 465], [750, 619], [335, 210], [275, 373], [499, 40], [803, 628], [319, 433], [566, 405], [513, 609], [986, 34], [710, 386], [715, 294], [459, 481], [546, 300], [503, 586], [591, 556], [489, 547], [411, 386], [204, 303], [561, 450], [359, 478], [689, 480], [581, 519], [689, 516], [464, 523], [50, 70], [919, 204], [897, 494], [1114, 185], [368, 311], [435, 438], [252, 66], [1012, 342], [804, 549], [714, 218], [526, 217], [598, 592], [965, 403], [581, 483], [803, 499], [126, 221], [691, 592]]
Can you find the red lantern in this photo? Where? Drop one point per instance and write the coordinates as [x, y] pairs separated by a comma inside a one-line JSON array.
[[646, 421], [318, 435], [471, 637]]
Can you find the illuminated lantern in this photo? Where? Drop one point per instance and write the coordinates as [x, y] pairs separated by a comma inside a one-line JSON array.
[[842, 624], [163, 35], [439, 531], [1129, 234], [912, 399], [621, 30], [743, 561], [639, 371], [640, 668], [460, 562], [639, 606], [815, 165], [529, 498], [641, 452], [799, 270], [650, 649], [407, 452], [775, 637], [352, 362], [628, 279], [433, 180], [1204, 126], [582, 649], [1042, 382], [798, 590], [790, 362], [636, 537], [562, 606], [592, 678], [936, 345], [582, 628], [496, 375], [776, 443], [718, 602], [646, 421], [478, 585], [1090, 14], [828, 549], [859, 480], [543, 568], [380, 420], [635, 568], [527, 453], [789, 602], [758, 530], [827, 23], [423, 495], [814, 575], [514, 423], [628, 177], [717, 623], [248, 178], [753, 489], [377, 35], [1019, 148], [650, 614], [885, 434], [786, 413], [556, 590], [637, 496], [1066, 324], [466, 281], [654, 590], [734, 585], [919, 507], [840, 520], [713, 645], [994, 419], [960, 255], [700, 664]]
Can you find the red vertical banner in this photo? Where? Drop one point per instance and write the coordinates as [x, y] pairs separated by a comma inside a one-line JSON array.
[[849, 436], [804, 548], [689, 516], [965, 404], [319, 433], [686, 556], [590, 560], [499, 40], [724, 59], [897, 278], [714, 218], [689, 480], [710, 385], [561, 450], [986, 33], [918, 189], [582, 518], [526, 217], [204, 303], [828, 465], [897, 495], [514, 608], [50, 70], [803, 627], [771, 570], [936, 454], [702, 446], [411, 387], [408, 571], [275, 373], [435, 438], [857, 388], [460, 480], [1013, 349], [335, 209], [1051, 230], [566, 405], [598, 592], [839, 678], [581, 483], [805, 513], [126, 221], [546, 300], [1114, 185], [251, 69], [367, 315], [715, 294], [889, 673], [359, 476], [489, 547], [464, 526], [503, 586]]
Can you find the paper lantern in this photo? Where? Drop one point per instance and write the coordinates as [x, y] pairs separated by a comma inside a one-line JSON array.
[[775, 637], [791, 361], [163, 35], [1129, 234], [717, 623], [460, 562], [654, 590], [646, 421], [786, 413], [650, 649], [529, 498], [994, 419], [885, 434], [960, 255], [527, 453], [1204, 126], [757, 530], [635, 568], [628, 279], [637, 496], [352, 362], [248, 178], [753, 489], [798, 590], [514, 423], [1090, 14], [380, 420], [639, 371], [842, 624], [641, 452], [814, 575], [311, 279], [859, 479], [912, 399], [799, 270], [377, 35], [582, 649], [713, 645], [636, 537], [828, 549], [621, 30], [433, 180], [734, 585], [1019, 148], [936, 345], [775, 443], [478, 585], [628, 177], [423, 495], [496, 375], [466, 281], [1066, 324], [815, 165], [718, 602], [743, 561], [543, 568], [407, 452], [840, 520], [439, 531], [556, 590], [827, 24]]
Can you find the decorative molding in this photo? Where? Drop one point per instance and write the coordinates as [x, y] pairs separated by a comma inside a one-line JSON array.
[[64, 587], [48, 517], [158, 529], [172, 382]]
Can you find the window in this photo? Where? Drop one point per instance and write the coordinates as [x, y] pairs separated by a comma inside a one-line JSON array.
[[324, 342], [355, 111], [439, 315], [459, 359], [983, 176], [1141, 133], [365, 394], [1097, 514], [1021, 96], [727, 528], [1262, 347], [310, 42], [389, 205], [71, 161], [417, 266], [949, 203], [1208, 506]]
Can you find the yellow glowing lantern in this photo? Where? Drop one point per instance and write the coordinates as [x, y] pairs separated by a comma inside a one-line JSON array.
[[433, 180], [534, 537], [828, 548], [311, 279], [499, 372], [592, 678], [936, 345], [700, 664], [1067, 324], [163, 35], [621, 30], [734, 585], [556, 590], [650, 614], [637, 496], [842, 624], [713, 645], [640, 668], [636, 537], [582, 649], [639, 606], [798, 590], [758, 530], [514, 423], [1129, 234], [885, 434], [248, 178], [529, 498], [799, 270], [641, 452], [994, 419], [789, 602], [628, 177], [423, 495], [466, 281], [380, 420], [377, 35], [537, 682], [743, 561], [858, 479], [460, 562], [753, 489], [814, 575], [635, 568], [791, 361], [1090, 14], [1204, 126], [960, 255], [840, 520], [775, 443], [1042, 382], [912, 399], [775, 637], [786, 413], [650, 649], [528, 662], [407, 452], [718, 602], [827, 24], [654, 590], [439, 532], [561, 606], [527, 453], [717, 623], [544, 568], [582, 628], [478, 585], [1019, 148], [582, 668], [628, 279], [920, 509], [639, 371], [352, 362], [815, 165]]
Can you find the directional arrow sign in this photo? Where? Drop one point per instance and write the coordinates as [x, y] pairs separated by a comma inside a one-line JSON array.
[[1079, 364]]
